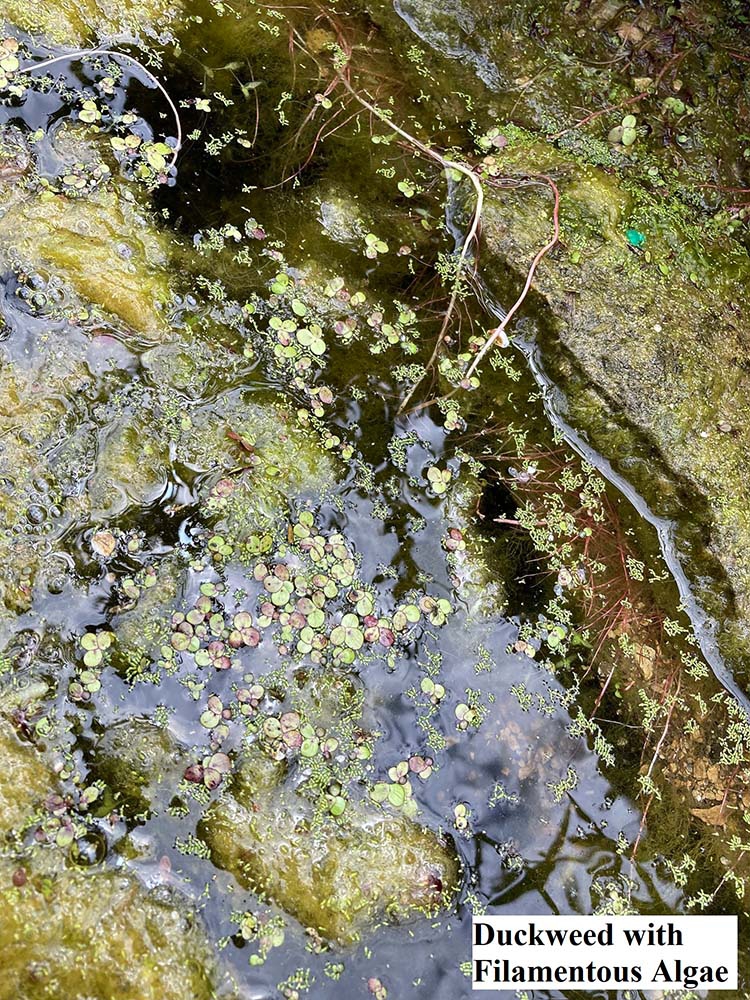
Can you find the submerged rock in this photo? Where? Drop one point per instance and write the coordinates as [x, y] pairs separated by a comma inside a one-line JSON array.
[[133, 466], [98, 935], [142, 625], [476, 561], [258, 458], [338, 880]]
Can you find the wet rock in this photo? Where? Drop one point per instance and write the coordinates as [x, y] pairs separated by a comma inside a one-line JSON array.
[[337, 879], [540, 67], [631, 341], [132, 466], [258, 457], [99, 935], [247, 455]]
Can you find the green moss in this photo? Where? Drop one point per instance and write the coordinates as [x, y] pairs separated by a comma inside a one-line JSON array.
[[339, 879]]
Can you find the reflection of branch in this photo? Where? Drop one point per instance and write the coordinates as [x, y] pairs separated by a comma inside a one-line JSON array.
[[500, 330], [471, 236], [84, 53]]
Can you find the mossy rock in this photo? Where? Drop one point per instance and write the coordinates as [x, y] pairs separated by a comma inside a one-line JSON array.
[[99, 936], [252, 444], [339, 880], [25, 779], [661, 349], [75, 22], [140, 762], [103, 247]]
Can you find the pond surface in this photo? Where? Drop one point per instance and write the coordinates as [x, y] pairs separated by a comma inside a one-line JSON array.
[[228, 541]]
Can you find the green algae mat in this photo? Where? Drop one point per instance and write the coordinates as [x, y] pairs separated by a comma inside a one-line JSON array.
[[374, 507]]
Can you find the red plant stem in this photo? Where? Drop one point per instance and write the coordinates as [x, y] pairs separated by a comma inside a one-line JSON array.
[[320, 137]]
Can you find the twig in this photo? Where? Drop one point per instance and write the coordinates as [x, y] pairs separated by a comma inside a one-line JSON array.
[[500, 330], [84, 53]]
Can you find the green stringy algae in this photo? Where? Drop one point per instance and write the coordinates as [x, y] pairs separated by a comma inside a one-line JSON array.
[[102, 935], [74, 22], [24, 781]]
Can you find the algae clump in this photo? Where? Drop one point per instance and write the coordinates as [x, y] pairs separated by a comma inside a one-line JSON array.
[[137, 759], [99, 936], [245, 454], [101, 245], [73, 22], [338, 879], [74, 935], [26, 779]]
